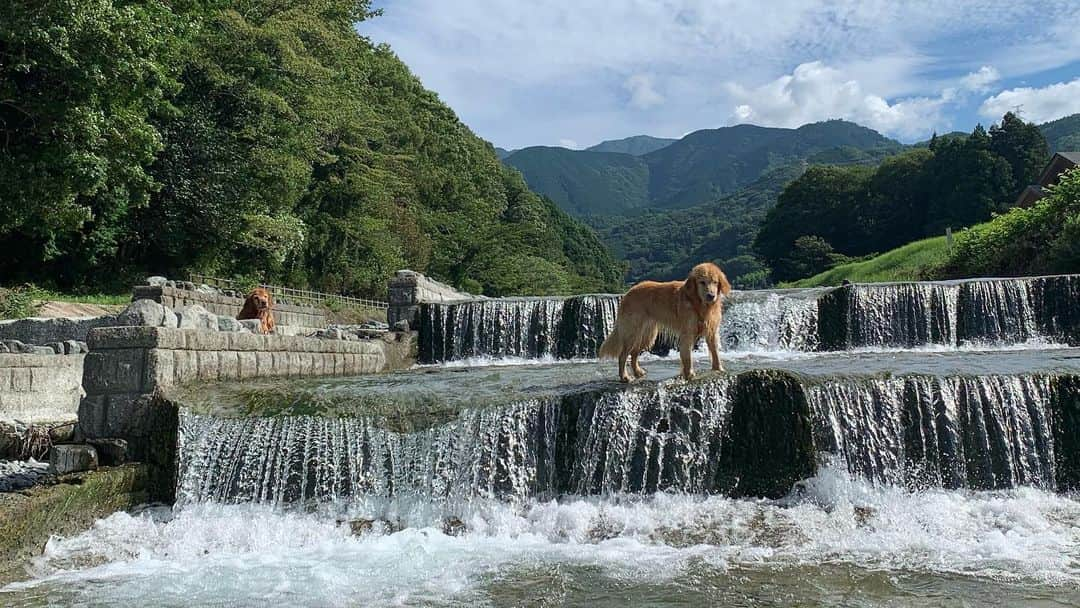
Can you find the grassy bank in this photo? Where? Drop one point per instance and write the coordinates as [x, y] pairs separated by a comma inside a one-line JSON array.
[[912, 262]]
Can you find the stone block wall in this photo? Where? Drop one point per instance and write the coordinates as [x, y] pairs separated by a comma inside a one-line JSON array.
[[408, 289], [221, 304], [44, 331], [38, 388]]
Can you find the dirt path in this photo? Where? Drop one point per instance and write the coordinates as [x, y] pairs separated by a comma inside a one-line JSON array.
[[53, 309]]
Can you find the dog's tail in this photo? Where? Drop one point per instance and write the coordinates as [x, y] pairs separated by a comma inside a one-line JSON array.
[[612, 345]]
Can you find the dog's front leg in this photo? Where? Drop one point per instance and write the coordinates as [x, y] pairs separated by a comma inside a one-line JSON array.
[[714, 352], [686, 347]]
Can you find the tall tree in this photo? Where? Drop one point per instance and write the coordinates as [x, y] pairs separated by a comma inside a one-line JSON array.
[[968, 182], [80, 81], [1023, 146]]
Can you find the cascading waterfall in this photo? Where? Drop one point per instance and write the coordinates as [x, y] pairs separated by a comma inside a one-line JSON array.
[[624, 441], [516, 327], [988, 312], [902, 314], [567, 328], [978, 432], [758, 321], [997, 312], [981, 432]]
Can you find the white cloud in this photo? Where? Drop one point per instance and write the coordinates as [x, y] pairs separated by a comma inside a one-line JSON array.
[[815, 91], [643, 94], [980, 81], [569, 143], [1036, 104], [518, 71]]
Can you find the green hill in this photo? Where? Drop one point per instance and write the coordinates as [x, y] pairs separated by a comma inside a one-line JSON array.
[[637, 145], [273, 142], [1063, 134], [912, 262], [585, 183], [707, 164], [662, 244], [701, 167]]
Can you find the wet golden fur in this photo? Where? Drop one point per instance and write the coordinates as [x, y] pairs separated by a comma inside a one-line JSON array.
[[259, 305], [690, 309]]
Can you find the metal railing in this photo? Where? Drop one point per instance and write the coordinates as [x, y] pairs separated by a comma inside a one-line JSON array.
[[288, 295]]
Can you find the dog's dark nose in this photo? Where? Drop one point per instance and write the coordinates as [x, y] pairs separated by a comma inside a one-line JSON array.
[[709, 297]]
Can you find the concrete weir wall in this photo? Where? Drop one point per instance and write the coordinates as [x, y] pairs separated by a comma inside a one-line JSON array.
[[409, 289], [40, 388], [129, 371], [221, 304]]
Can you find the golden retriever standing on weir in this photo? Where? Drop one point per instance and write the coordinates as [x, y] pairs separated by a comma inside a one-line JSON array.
[[689, 309]]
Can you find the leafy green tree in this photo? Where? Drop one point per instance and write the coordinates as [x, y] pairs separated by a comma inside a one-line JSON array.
[[895, 211], [808, 256], [80, 81], [968, 182], [1041, 239], [260, 139], [1023, 146], [824, 202]]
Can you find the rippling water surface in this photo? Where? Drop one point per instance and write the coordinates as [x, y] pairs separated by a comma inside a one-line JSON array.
[[833, 542]]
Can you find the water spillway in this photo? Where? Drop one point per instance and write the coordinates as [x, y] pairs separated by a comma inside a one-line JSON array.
[[891, 315], [574, 327], [837, 452], [547, 431]]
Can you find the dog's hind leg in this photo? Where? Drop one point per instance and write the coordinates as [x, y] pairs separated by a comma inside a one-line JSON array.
[[647, 339], [638, 372], [623, 376]]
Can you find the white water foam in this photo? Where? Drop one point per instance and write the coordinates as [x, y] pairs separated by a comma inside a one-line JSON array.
[[251, 555]]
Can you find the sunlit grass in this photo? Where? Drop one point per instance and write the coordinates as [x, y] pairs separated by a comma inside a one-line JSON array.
[[912, 262]]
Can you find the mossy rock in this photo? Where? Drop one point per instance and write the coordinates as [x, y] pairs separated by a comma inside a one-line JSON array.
[[769, 443], [71, 506]]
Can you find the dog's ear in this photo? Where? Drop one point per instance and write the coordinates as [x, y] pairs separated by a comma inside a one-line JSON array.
[[690, 288], [725, 287]]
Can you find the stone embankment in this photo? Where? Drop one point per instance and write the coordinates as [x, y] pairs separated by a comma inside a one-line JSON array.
[[225, 302]]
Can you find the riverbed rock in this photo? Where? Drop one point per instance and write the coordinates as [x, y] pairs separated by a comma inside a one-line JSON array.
[[156, 281], [111, 452], [453, 526], [197, 317], [170, 320], [72, 458], [252, 325], [142, 312], [229, 324]]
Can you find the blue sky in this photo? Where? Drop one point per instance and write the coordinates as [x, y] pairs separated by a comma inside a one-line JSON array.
[[573, 73]]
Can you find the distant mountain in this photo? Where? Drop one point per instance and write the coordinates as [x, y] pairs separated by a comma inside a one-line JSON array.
[[638, 145], [1063, 134], [708, 164], [502, 153], [701, 167], [585, 183], [950, 135], [664, 244]]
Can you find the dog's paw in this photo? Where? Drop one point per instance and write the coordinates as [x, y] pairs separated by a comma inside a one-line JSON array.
[[639, 373], [626, 379], [688, 376]]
